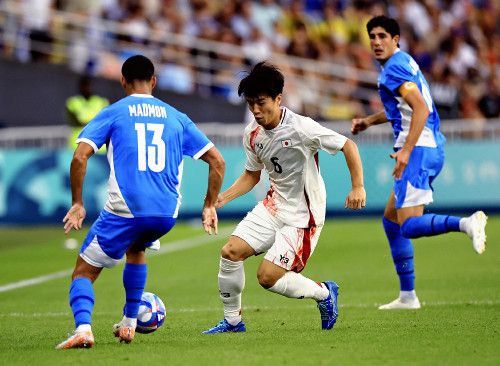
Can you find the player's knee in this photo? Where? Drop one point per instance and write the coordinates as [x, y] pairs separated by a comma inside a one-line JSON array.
[[230, 252]]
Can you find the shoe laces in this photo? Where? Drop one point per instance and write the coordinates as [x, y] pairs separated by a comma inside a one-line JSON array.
[[324, 310]]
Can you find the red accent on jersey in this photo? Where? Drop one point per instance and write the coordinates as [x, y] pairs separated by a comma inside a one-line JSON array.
[[270, 203], [253, 136]]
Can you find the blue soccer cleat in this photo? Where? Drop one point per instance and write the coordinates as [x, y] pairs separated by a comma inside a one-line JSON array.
[[328, 307], [224, 327]]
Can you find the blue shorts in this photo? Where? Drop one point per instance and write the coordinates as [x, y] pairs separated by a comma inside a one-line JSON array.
[[415, 186], [110, 236]]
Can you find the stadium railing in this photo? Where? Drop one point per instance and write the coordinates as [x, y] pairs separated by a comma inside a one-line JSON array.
[[224, 134], [215, 64]]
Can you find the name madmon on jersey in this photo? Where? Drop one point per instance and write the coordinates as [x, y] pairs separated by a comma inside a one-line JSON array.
[[147, 110]]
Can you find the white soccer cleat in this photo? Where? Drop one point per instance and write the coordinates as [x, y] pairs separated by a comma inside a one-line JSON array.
[[475, 230], [399, 304], [78, 340]]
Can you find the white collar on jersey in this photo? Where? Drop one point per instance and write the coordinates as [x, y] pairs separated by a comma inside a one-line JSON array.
[[142, 95]]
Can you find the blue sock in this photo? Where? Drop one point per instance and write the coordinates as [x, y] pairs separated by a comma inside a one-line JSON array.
[[429, 225], [134, 281], [402, 255], [81, 300]]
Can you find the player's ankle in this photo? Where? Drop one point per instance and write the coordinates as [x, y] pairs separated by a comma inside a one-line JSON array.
[[83, 328], [233, 320]]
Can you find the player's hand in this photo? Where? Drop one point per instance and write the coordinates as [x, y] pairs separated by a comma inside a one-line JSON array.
[[220, 202], [358, 125], [209, 219], [74, 218], [356, 199], [402, 157]]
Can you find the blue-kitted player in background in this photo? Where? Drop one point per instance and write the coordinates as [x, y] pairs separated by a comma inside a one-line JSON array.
[[146, 140], [419, 156]]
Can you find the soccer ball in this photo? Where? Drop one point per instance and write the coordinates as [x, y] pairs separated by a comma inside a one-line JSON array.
[[151, 313]]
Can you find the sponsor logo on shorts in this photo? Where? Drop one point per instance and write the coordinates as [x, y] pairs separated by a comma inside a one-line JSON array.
[[283, 259]]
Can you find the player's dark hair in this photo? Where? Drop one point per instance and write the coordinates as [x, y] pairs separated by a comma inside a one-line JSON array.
[[263, 79], [138, 67], [390, 25]]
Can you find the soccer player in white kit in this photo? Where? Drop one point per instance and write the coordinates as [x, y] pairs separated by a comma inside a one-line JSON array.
[[287, 223]]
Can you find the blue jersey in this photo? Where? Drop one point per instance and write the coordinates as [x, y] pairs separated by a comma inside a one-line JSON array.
[[146, 140], [400, 68]]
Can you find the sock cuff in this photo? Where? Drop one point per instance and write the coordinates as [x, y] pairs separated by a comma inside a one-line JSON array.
[[227, 265], [136, 267], [81, 287], [390, 226], [280, 286]]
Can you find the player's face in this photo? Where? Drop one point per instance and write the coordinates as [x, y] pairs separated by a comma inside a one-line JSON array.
[[383, 45], [266, 110]]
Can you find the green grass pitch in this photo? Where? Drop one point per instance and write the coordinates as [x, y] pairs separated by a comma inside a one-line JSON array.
[[459, 323]]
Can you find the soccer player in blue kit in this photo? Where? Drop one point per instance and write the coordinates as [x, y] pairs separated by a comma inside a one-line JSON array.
[[419, 156], [146, 140]]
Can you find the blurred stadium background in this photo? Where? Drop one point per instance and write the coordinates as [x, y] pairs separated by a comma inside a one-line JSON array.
[[200, 49]]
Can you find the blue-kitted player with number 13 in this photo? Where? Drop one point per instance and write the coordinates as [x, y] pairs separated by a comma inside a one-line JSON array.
[[146, 140], [419, 158]]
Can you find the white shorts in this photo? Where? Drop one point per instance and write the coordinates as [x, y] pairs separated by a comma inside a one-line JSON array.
[[287, 246]]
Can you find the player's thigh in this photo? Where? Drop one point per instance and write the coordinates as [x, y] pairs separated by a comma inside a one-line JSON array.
[[292, 247], [257, 230], [390, 212], [236, 249], [414, 187], [111, 236]]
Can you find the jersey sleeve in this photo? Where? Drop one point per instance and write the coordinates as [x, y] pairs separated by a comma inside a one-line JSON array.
[[96, 133], [317, 137], [396, 75], [253, 162], [195, 143]]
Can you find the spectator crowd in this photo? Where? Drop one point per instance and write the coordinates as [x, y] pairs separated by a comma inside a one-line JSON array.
[[201, 46]]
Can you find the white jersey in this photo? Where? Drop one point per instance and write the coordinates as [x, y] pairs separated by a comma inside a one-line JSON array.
[[289, 154]]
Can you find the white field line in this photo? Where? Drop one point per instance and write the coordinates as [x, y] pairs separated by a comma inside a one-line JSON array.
[[373, 306], [167, 248]]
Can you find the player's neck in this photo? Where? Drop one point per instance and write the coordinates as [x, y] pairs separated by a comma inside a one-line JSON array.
[[276, 122]]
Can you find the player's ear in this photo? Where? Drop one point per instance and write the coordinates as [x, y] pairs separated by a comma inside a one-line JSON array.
[[279, 98], [396, 40], [153, 82], [123, 82]]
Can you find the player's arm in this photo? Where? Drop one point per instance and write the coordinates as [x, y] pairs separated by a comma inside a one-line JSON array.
[[361, 124], [76, 214], [216, 170], [420, 112], [357, 196], [241, 186]]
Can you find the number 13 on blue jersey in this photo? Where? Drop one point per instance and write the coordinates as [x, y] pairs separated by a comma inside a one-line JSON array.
[[156, 152]]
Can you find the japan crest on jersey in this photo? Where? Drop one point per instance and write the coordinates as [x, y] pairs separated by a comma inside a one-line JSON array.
[[286, 143]]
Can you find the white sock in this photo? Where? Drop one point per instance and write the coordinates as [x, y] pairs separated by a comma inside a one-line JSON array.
[[129, 322], [83, 328], [464, 224], [296, 286], [407, 296], [231, 285]]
